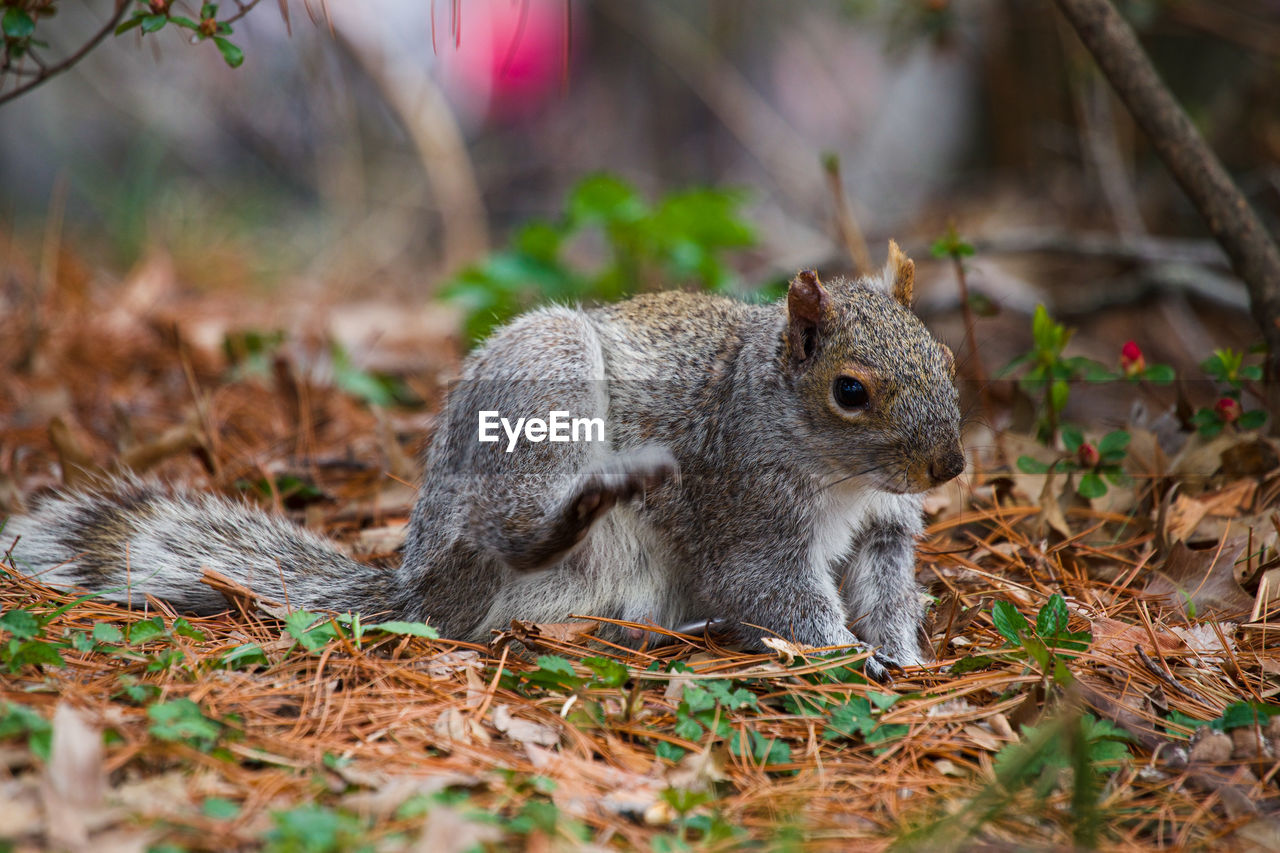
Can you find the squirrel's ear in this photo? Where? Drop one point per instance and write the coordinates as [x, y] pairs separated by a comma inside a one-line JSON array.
[[899, 275], [808, 309]]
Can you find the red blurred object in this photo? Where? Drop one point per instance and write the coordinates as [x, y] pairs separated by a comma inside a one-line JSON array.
[[1131, 360], [1228, 410], [506, 59], [1088, 455]]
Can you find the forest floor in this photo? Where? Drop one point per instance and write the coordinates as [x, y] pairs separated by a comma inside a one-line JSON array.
[[1104, 678]]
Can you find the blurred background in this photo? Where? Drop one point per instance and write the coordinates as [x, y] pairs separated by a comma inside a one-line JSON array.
[[369, 174]]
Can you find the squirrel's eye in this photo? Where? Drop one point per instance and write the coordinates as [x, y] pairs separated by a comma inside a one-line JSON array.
[[850, 393]]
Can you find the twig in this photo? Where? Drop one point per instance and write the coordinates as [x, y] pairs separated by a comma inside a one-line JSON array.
[[1231, 220], [847, 224], [1167, 677], [424, 112], [979, 370], [244, 10], [1146, 248], [53, 70]]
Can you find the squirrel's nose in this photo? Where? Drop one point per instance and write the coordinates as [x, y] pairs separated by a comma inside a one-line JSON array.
[[946, 466]]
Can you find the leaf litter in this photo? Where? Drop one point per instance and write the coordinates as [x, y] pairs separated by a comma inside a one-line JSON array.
[[1106, 671]]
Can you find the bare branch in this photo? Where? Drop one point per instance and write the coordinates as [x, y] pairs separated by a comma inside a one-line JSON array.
[[53, 70]]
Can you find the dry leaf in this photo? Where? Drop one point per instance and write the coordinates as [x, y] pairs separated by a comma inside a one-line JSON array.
[[396, 790], [1202, 580], [447, 830], [1203, 640], [452, 727], [1111, 636], [787, 651], [525, 731], [73, 780], [381, 540], [1186, 513]]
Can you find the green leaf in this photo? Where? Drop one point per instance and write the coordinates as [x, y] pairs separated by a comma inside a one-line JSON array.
[[34, 652], [605, 198], [17, 24], [208, 10], [1042, 329], [1052, 619], [1252, 420], [130, 24], [1059, 391], [151, 23], [608, 672], [181, 720], [19, 720], [220, 808], [233, 55], [689, 729], [555, 673], [1240, 714], [409, 629], [105, 632], [1160, 374], [850, 719], [1211, 429], [21, 624], [668, 751], [1009, 622], [1031, 465], [1091, 485], [183, 628], [146, 630], [1114, 442], [1072, 437], [312, 631], [763, 749], [972, 663], [249, 654]]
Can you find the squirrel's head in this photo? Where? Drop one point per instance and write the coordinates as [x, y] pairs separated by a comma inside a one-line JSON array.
[[877, 389]]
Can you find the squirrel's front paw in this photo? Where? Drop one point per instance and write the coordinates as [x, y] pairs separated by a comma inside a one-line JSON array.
[[878, 667], [621, 478]]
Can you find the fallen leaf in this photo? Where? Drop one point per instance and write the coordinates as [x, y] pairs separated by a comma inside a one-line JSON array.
[[1198, 582], [381, 540], [1186, 513], [524, 731], [396, 790], [787, 650], [73, 780], [1201, 459], [698, 771], [447, 830], [1111, 636], [1203, 640]]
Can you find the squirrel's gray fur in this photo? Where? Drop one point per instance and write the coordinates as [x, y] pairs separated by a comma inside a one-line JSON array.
[[731, 486]]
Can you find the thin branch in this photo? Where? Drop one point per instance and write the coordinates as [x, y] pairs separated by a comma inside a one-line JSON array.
[[244, 10], [846, 223], [54, 70], [1146, 248]]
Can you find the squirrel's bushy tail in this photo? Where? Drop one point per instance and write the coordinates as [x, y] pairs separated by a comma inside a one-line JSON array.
[[132, 539]]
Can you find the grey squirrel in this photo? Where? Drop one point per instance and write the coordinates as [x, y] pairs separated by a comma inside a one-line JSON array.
[[762, 466]]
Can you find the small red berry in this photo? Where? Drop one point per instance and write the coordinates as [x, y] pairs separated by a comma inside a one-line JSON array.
[[1131, 359], [1088, 455], [1228, 410]]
